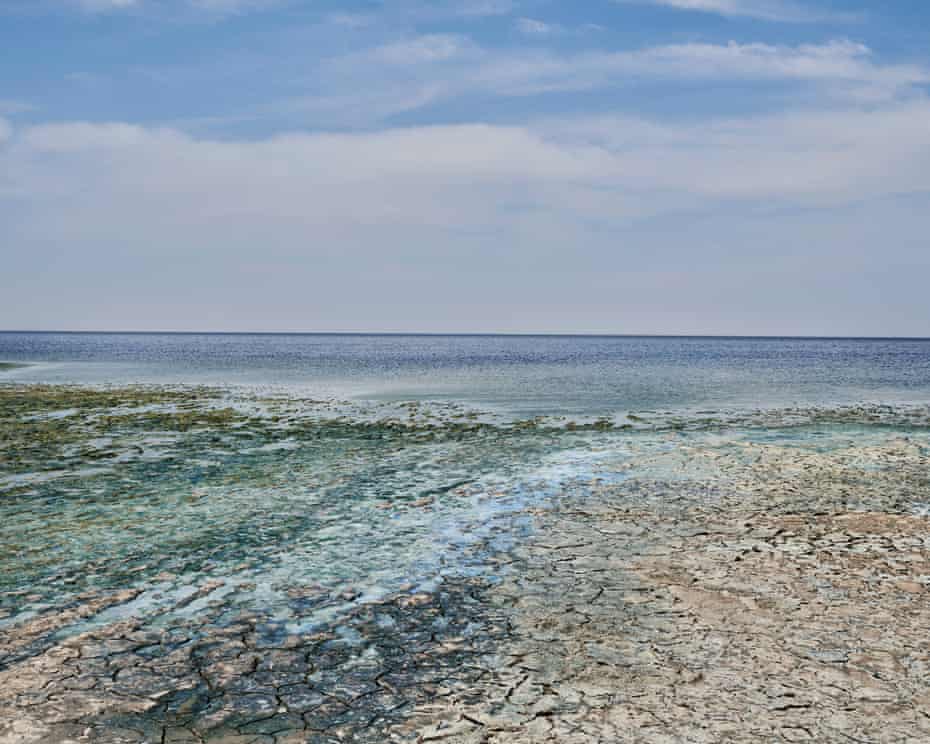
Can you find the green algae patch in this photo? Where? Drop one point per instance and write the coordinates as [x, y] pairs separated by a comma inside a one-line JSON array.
[[53, 427], [180, 421], [23, 399]]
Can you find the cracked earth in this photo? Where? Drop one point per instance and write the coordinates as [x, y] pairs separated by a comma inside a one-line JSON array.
[[721, 591]]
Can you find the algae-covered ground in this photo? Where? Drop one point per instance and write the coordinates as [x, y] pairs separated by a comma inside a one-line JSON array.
[[206, 565]]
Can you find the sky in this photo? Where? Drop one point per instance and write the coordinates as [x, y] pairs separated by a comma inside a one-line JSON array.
[[584, 166]]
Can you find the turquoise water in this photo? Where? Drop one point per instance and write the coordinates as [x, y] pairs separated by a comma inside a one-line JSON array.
[[358, 466]]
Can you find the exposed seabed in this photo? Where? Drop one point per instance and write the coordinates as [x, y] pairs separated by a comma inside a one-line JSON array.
[[759, 580]]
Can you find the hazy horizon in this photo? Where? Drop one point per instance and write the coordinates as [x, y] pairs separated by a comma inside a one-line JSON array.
[[517, 334]]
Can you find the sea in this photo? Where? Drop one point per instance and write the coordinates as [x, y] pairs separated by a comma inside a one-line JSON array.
[[518, 375]]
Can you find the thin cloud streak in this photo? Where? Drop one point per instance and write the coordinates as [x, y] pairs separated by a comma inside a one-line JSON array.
[[417, 72], [781, 11]]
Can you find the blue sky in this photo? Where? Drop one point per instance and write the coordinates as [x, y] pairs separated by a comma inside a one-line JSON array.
[[629, 166]]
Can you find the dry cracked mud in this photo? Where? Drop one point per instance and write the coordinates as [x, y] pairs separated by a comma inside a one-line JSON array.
[[722, 591]]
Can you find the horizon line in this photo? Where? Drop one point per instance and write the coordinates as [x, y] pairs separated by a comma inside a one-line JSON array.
[[470, 334]]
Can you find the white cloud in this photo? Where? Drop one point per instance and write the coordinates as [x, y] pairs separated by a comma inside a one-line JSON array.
[[769, 10], [10, 107], [351, 20], [483, 8], [804, 158], [836, 61], [102, 6], [533, 27], [80, 137], [456, 175], [231, 7], [170, 8], [395, 78], [421, 49], [6, 130]]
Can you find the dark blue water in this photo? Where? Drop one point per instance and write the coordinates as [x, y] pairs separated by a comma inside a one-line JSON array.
[[516, 374]]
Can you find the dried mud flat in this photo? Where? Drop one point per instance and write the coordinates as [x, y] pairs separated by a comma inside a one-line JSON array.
[[785, 600], [722, 591]]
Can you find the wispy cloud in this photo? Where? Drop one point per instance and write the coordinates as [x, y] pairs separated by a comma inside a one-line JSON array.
[[841, 61], [424, 70], [534, 27], [483, 8], [421, 49], [351, 20], [102, 6], [784, 11], [232, 7], [154, 8], [10, 107]]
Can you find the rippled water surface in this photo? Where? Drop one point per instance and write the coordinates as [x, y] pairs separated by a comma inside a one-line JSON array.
[[526, 375]]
